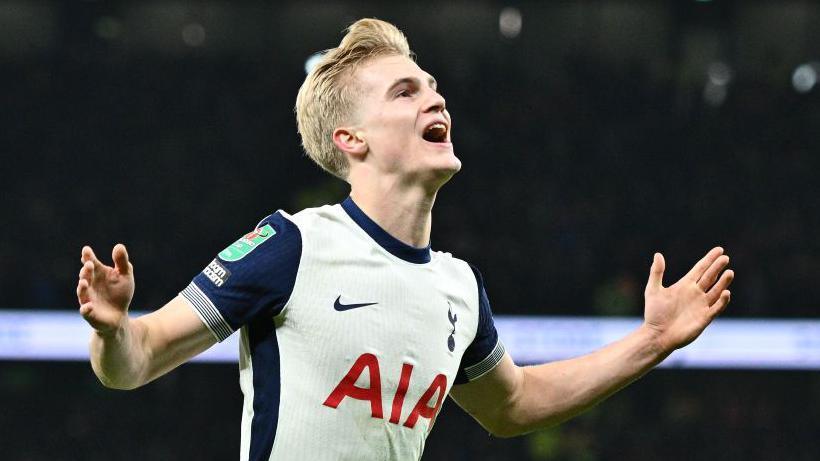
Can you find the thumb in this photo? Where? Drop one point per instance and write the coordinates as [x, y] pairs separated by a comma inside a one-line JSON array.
[[656, 273], [120, 256]]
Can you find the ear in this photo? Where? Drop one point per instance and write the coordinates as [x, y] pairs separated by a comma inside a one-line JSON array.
[[350, 141]]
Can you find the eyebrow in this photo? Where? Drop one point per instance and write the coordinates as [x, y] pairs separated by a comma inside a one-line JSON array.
[[413, 80]]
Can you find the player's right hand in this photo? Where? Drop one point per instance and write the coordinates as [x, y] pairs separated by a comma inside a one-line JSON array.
[[104, 292]]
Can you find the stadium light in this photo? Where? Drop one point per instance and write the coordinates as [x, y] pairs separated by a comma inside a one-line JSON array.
[[510, 22], [719, 75], [804, 77], [312, 61], [193, 34]]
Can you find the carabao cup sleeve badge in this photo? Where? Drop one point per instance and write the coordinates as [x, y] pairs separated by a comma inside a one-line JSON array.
[[247, 243]]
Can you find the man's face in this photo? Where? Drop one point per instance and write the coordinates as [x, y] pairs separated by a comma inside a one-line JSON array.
[[404, 122]]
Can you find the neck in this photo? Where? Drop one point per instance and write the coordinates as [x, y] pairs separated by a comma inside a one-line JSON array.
[[403, 212]]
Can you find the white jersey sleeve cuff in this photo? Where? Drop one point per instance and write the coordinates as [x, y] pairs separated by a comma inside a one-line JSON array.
[[206, 311], [486, 365]]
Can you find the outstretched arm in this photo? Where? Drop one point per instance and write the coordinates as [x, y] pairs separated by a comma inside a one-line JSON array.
[[512, 400], [129, 352]]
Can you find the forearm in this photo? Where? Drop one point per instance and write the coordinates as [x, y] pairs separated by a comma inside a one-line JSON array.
[[552, 393], [127, 352], [511, 400], [149, 346], [119, 357]]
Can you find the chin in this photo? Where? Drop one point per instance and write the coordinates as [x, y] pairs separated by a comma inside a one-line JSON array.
[[437, 169], [455, 164], [447, 163], [443, 171]]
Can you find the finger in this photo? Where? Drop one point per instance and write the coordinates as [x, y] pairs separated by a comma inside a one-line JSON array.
[[708, 278], [120, 256], [85, 310], [83, 295], [700, 267], [717, 290], [722, 302], [88, 272], [88, 255], [96, 318], [90, 315], [656, 273]]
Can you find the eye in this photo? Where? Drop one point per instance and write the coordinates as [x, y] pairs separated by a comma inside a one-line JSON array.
[[404, 94]]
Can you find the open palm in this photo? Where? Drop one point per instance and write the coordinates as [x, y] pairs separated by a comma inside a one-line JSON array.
[[679, 313], [104, 292]]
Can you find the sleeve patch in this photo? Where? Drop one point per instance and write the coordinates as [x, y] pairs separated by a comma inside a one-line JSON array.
[[216, 273], [247, 243]]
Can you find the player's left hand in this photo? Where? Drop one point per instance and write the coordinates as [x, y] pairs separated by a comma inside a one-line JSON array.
[[679, 313]]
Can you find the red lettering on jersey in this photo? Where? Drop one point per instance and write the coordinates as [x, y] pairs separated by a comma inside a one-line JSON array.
[[422, 409], [347, 386], [398, 399]]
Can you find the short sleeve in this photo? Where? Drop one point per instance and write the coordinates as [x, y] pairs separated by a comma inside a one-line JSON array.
[[252, 278], [486, 350]]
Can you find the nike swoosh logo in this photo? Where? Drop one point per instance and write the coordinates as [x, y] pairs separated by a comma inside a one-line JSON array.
[[346, 307]]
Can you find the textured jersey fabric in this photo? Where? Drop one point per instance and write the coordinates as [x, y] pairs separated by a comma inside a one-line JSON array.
[[350, 339]]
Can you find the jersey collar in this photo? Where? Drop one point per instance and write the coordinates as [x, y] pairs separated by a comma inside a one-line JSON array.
[[393, 245]]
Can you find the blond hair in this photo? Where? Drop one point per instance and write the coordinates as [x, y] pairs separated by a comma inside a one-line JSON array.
[[329, 95]]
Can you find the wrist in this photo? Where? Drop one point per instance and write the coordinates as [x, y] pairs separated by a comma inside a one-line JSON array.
[[654, 343], [114, 332]]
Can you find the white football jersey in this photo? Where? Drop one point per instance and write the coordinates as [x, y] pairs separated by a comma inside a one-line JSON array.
[[350, 339]]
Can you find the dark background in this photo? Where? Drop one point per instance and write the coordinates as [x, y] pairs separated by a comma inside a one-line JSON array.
[[602, 132]]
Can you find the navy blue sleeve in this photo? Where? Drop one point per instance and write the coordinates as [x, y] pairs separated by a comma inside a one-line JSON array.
[[252, 278], [486, 351]]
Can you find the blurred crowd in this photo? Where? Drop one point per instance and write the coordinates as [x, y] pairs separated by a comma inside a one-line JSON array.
[[568, 187]]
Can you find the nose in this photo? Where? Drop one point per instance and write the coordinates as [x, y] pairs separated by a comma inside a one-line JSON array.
[[435, 102]]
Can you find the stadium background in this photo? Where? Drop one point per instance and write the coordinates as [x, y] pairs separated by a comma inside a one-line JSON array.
[[592, 134]]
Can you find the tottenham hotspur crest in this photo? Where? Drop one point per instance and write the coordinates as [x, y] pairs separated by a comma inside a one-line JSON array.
[[451, 340]]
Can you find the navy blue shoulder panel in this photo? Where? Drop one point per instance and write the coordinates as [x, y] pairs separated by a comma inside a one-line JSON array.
[[485, 351], [253, 278]]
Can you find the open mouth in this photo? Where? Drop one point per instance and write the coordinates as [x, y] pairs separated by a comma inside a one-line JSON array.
[[436, 132]]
